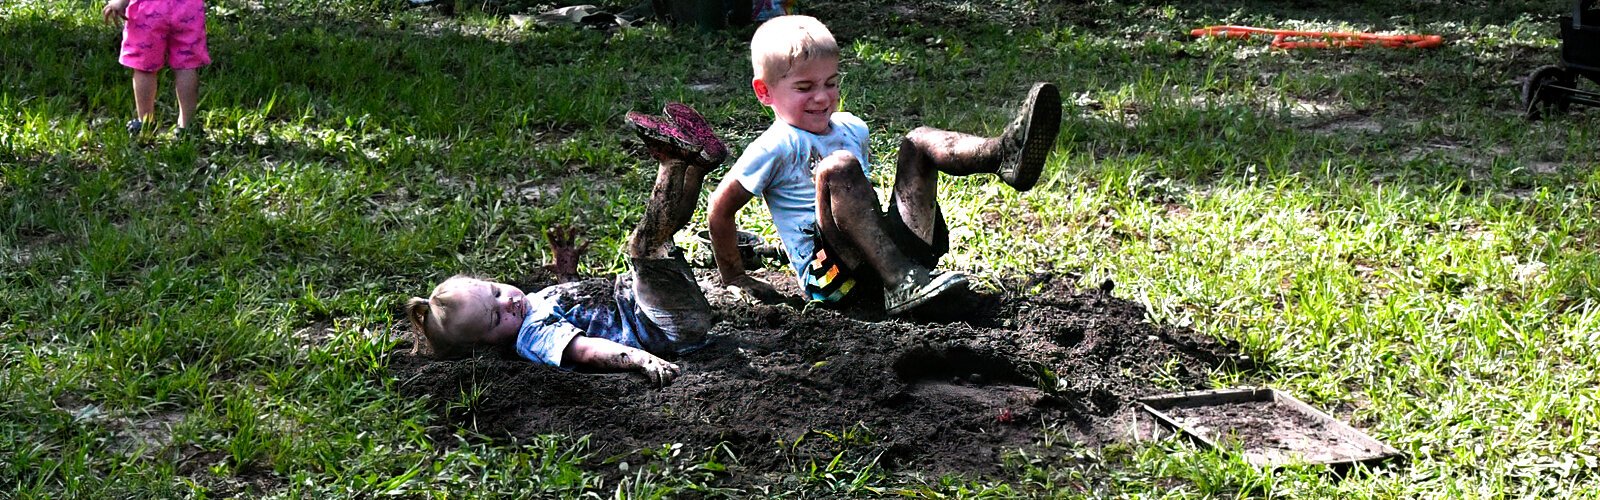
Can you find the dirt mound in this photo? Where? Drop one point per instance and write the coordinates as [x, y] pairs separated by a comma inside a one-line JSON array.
[[928, 396]]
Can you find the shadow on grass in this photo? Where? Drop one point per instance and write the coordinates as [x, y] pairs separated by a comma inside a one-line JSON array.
[[419, 74], [947, 64]]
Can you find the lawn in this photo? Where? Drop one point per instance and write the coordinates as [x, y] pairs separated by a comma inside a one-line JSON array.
[[1380, 230]]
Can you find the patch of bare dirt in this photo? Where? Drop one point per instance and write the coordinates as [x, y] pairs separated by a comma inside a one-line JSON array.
[[935, 395]]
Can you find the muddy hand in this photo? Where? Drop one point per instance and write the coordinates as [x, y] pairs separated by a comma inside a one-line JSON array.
[[659, 371], [566, 253], [750, 289]]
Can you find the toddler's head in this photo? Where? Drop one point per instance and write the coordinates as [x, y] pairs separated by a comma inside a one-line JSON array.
[[465, 314], [796, 63]]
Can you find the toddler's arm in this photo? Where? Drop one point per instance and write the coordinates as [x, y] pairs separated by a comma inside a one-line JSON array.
[[597, 352], [116, 12]]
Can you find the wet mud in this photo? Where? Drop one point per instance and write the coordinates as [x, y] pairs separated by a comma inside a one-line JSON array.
[[778, 386]]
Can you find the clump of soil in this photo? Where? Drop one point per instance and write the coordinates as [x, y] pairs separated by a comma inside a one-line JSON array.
[[935, 397]]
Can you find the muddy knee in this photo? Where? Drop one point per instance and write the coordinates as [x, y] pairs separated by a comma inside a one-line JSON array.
[[840, 159], [918, 133], [841, 166]]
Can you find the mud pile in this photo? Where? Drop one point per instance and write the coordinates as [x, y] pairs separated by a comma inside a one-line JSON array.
[[936, 397]]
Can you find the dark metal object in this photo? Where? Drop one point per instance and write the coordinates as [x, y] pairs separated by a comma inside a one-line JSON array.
[[1555, 88], [1158, 407], [752, 250]]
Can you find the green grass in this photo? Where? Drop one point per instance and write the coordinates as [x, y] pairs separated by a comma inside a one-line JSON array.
[[1380, 229]]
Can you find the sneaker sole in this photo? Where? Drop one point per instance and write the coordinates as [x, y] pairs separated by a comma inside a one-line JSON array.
[[656, 129], [689, 122], [945, 283], [1039, 136]]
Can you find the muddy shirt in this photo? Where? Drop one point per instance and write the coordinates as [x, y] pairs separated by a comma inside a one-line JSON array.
[[592, 308], [777, 168]]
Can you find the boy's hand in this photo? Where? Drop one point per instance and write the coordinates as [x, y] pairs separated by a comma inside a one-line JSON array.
[[116, 12], [755, 290], [659, 371]]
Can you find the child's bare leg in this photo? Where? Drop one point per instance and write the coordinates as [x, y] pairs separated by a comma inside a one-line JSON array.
[[848, 215], [1017, 156], [187, 83], [687, 148], [924, 154], [144, 95], [664, 286], [671, 205]]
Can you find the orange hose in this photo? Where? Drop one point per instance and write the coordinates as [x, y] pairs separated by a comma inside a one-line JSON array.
[[1326, 39]]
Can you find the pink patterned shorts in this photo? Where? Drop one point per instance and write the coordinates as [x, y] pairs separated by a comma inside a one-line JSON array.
[[165, 33]]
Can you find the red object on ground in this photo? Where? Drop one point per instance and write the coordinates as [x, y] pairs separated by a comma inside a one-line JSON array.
[[1325, 39]]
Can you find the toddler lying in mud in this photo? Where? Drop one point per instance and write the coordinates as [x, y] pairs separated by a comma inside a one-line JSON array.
[[654, 309]]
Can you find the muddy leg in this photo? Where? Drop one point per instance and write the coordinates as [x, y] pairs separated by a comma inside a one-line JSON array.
[[663, 285], [924, 154], [671, 205], [1017, 156], [848, 216]]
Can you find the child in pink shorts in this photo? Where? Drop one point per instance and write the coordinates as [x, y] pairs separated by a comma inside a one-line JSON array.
[[158, 33]]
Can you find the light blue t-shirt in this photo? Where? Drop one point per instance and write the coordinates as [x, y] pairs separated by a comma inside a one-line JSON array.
[[777, 167], [559, 313]]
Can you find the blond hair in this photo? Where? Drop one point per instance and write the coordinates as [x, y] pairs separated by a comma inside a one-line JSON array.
[[784, 41], [428, 318]]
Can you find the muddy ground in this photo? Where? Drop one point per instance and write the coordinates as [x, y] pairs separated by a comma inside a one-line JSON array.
[[934, 396]]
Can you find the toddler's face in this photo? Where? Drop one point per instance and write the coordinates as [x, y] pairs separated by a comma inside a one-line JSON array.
[[806, 97], [489, 311]]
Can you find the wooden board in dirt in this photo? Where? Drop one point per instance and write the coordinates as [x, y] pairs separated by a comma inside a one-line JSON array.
[[1268, 427]]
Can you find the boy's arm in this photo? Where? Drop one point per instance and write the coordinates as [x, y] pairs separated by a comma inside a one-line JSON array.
[[595, 352], [115, 12], [725, 203]]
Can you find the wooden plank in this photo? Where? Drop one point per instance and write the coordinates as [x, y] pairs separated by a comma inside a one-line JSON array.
[[1376, 451]]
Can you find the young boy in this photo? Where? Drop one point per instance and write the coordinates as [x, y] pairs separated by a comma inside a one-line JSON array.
[[811, 167], [656, 308], [160, 33]]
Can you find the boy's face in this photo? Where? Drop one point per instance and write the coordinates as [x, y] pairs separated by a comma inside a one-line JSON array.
[[806, 97], [492, 312]]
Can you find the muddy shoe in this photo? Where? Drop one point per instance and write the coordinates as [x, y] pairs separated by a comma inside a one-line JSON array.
[[662, 137], [1029, 138], [135, 127], [691, 124], [683, 133], [912, 293]]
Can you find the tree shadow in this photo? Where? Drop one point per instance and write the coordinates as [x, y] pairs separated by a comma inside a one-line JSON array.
[[944, 63]]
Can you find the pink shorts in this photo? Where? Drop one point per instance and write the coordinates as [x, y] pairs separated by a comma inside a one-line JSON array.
[[165, 33]]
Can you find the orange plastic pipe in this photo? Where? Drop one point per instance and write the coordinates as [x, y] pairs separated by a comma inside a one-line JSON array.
[[1326, 39]]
